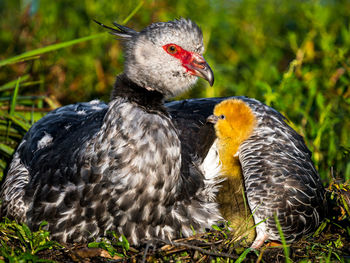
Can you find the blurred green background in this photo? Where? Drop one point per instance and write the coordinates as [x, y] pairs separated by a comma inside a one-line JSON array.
[[291, 55]]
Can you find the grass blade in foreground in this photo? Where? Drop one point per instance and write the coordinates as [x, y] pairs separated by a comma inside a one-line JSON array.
[[285, 247], [13, 106], [13, 83], [243, 255], [133, 12]]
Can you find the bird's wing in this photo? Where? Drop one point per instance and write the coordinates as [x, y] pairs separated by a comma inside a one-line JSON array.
[[189, 117], [54, 136], [280, 177], [51, 138], [196, 138]]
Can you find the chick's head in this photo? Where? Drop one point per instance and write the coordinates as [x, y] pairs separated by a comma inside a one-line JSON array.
[[234, 120]]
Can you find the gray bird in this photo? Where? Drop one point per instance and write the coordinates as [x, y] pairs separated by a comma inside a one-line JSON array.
[[90, 168]]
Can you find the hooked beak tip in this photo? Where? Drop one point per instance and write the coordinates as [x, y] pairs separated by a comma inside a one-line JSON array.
[[206, 73], [210, 76], [202, 69], [212, 119]]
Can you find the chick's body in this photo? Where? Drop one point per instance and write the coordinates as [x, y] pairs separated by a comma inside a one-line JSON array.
[[235, 126]]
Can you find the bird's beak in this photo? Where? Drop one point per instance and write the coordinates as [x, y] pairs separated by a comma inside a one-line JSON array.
[[201, 68], [212, 119]]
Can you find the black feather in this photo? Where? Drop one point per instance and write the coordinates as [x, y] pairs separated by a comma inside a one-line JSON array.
[[121, 31]]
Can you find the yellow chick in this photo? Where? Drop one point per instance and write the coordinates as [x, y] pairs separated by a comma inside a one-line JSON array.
[[234, 123]]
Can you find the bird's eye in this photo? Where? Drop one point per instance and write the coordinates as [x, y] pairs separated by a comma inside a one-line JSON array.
[[172, 49], [222, 116]]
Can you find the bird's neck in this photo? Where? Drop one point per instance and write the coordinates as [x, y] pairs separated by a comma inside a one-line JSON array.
[[150, 100], [231, 195], [230, 163], [139, 140]]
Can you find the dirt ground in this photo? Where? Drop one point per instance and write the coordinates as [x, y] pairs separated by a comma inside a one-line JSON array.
[[206, 247]]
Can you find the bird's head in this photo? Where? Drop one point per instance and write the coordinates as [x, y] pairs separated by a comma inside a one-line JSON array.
[[234, 120], [165, 56]]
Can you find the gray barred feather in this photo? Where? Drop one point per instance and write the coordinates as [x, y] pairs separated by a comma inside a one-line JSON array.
[[280, 178], [13, 190]]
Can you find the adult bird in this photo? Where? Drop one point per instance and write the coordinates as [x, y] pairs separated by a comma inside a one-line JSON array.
[[278, 174], [90, 168]]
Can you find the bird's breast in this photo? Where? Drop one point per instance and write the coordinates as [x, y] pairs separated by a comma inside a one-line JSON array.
[[136, 149]]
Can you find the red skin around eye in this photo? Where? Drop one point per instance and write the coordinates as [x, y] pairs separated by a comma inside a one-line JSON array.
[[183, 55]]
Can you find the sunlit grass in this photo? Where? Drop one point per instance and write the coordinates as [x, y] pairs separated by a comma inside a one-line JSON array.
[[19, 244]]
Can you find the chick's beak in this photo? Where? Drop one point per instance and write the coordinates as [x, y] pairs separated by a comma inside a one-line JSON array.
[[212, 119], [201, 68]]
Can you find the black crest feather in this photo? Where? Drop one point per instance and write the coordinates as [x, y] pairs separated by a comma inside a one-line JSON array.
[[119, 30]]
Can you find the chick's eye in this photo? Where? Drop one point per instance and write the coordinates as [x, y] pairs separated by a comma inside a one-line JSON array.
[[172, 49], [222, 116]]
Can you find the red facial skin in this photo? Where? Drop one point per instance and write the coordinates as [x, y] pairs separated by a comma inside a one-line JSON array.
[[186, 57]]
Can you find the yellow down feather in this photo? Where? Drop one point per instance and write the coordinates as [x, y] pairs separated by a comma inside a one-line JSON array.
[[235, 124]]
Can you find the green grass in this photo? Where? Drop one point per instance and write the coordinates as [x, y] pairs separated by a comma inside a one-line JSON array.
[[34, 54], [110, 245], [19, 244], [284, 244]]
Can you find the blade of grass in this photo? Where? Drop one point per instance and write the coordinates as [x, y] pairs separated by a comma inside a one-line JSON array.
[[11, 84], [328, 258], [133, 12], [6, 149], [13, 105], [14, 98], [321, 227], [3, 128], [18, 122], [14, 136], [46, 49], [27, 59], [2, 165], [21, 98], [243, 255], [31, 83], [32, 115], [284, 243]]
